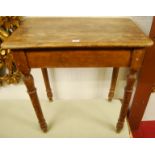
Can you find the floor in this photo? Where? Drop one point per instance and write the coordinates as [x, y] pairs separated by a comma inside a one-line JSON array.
[[70, 118]]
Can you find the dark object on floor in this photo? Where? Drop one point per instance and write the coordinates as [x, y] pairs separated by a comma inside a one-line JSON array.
[[146, 130]]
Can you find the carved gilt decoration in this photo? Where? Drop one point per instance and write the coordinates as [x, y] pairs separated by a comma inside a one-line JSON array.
[[8, 71]]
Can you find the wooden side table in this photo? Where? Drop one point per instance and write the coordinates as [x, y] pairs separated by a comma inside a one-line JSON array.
[[78, 42]]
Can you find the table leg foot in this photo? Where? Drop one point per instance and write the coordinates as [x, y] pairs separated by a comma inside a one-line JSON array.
[[119, 126], [47, 84], [44, 127], [111, 95], [113, 83]]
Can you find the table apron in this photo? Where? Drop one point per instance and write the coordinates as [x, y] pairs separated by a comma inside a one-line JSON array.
[[78, 58]]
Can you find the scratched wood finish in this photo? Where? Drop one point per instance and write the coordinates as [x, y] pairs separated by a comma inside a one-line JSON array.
[[78, 58], [76, 32]]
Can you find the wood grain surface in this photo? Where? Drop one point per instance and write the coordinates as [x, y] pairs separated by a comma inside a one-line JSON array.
[[60, 32], [78, 58]]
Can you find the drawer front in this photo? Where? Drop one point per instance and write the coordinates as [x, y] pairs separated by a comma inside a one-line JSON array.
[[78, 58]]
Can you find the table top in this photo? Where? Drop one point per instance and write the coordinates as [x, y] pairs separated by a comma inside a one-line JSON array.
[[70, 32]]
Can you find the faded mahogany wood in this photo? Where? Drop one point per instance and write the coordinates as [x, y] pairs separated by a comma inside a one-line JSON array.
[[78, 58], [47, 84], [78, 42], [136, 60], [29, 82], [60, 32], [113, 83]]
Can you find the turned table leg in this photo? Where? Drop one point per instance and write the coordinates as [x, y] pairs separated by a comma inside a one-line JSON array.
[[113, 83], [47, 84], [136, 61], [29, 82], [126, 100], [23, 66]]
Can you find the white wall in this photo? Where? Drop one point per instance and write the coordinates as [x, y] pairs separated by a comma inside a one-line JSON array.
[[79, 83]]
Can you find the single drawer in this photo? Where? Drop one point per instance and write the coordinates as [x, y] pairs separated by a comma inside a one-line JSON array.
[[78, 58]]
